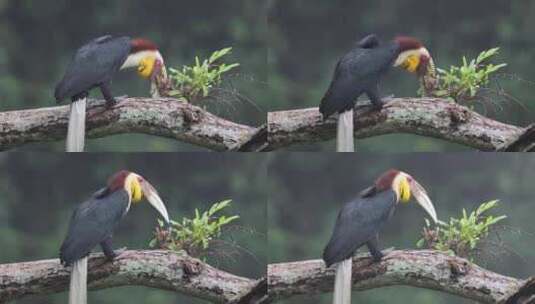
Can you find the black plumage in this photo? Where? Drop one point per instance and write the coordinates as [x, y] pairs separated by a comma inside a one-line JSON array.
[[359, 72], [93, 65], [92, 223], [359, 223]]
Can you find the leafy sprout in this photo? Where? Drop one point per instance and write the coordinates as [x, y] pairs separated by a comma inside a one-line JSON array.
[[196, 82], [463, 83], [461, 236], [194, 235]]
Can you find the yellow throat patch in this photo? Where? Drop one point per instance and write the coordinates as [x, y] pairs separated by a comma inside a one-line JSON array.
[[411, 63], [404, 190], [133, 186], [146, 66]]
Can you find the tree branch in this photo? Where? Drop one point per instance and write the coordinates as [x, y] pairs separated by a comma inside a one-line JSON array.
[[171, 118], [431, 117], [424, 269], [166, 117], [158, 269], [523, 143]]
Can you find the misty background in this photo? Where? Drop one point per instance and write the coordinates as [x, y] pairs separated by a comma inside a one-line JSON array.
[[287, 50], [39, 191], [307, 37], [308, 190], [39, 38]]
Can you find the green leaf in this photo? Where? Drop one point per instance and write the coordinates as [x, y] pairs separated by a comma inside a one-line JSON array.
[[465, 81], [195, 235], [420, 243], [462, 235], [197, 81]]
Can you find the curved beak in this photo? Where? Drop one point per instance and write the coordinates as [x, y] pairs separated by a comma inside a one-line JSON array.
[[154, 199], [423, 199]]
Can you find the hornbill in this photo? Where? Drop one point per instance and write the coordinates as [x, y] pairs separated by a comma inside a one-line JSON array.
[[93, 223], [360, 71], [94, 65], [360, 221]]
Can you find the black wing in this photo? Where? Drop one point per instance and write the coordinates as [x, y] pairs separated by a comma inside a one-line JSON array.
[[358, 71], [93, 64], [91, 223], [358, 222], [369, 42]]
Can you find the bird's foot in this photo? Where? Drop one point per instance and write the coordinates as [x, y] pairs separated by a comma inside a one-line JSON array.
[[120, 252], [110, 256], [110, 103], [377, 256], [365, 109], [377, 107]]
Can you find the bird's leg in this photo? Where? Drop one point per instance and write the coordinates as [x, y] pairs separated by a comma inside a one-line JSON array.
[[107, 249], [375, 98], [106, 93], [374, 251]]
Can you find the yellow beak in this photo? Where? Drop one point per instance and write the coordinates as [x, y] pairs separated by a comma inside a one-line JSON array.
[[140, 187], [154, 199], [423, 199]]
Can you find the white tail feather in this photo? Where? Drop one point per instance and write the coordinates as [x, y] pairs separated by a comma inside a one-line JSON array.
[[345, 142], [76, 131], [342, 282], [78, 287]]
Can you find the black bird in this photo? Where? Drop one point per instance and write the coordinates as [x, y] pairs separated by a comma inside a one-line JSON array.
[[360, 221], [360, 72], [93, 223], [94, 65]]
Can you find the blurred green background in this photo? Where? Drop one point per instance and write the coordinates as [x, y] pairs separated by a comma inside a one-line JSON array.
[[38, 39], [40, 191], [307, 190], [286, 62], [307, 37]]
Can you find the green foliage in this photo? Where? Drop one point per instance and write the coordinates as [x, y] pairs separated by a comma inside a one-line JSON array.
[[463, 83], [195, 82], [461, 236], [193, 235]]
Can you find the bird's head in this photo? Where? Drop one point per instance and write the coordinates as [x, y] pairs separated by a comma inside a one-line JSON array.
[[405, 187], [138, 188], [413, 56], [145, 57]]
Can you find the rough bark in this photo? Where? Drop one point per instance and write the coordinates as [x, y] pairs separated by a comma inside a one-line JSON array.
[[171, 118], [525, 142], [164, 117], [158, 269], [430, 117], [424, 269]]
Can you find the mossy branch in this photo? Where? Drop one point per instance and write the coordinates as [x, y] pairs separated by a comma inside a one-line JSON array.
[[172, 118], [431, 117], [423, 269], [157, 269], [165, 117]]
